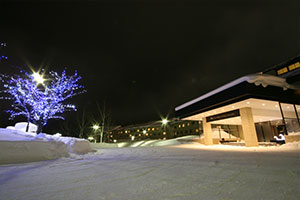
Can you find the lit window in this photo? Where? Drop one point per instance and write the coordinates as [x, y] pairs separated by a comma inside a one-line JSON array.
[[197, 130], [139, 135], [146, 134], [125, 131], [164, 138], [138, 130], [148, 129], [111, 136], [152, 129], [179, 126], [183, 125], [188, 124], [164, 133]]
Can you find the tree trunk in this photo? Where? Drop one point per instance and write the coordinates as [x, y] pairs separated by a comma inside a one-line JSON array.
[[39, 127], [27, 127]]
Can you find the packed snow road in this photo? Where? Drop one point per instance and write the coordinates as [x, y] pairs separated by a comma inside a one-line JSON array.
[[174, 172]]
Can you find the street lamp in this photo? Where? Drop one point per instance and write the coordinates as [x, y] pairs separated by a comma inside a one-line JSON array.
[[38, 78], [96, 127], [164, 123]]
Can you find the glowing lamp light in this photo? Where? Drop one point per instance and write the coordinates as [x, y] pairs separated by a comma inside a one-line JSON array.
[[144, 131], [96, 127], [164, 121], [38, 78]]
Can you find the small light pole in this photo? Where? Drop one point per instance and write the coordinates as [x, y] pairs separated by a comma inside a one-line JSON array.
[[165, 123], [96, 128]]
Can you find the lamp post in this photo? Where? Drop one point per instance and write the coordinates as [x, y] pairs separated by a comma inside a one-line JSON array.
[[96, 128], [165, 123]]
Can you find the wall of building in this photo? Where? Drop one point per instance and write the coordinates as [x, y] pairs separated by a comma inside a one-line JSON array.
[[173, 129]]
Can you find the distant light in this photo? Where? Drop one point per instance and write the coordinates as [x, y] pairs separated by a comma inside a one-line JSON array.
[[90, 138], [164, 121], [263, 104], [96, 127], [144, 131], [248, 102]]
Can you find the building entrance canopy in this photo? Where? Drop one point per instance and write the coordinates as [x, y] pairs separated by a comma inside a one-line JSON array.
[[260, 106]]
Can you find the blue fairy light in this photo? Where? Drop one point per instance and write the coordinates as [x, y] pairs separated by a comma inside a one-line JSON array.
[[41, 104]]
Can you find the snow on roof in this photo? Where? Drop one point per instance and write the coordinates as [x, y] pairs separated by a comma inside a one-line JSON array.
[[257, 79]]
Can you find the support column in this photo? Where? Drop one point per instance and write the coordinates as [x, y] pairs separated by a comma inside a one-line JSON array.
[[207, 131], [248, 127]]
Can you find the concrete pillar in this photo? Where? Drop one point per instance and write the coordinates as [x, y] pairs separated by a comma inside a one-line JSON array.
[[207, 132], [248, 127]]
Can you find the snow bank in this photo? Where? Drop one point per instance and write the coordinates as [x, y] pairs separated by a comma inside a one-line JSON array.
[[30, 151], [18, 146], [23, 125], [74, 145], [291, 146], [294, 133]]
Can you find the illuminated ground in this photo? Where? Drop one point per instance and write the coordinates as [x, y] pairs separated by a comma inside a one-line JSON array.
[[184, 172]]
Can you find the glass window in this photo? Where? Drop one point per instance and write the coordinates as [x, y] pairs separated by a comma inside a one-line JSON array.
[[290, 117]]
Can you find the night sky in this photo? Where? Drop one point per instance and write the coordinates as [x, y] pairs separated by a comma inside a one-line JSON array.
[[143, 58]]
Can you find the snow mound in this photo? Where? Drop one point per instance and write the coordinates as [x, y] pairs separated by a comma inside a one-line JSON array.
[[22, 127], [18, 146], [75, 145], [291, 146], [30, 151], [15, 135], [294, 133]]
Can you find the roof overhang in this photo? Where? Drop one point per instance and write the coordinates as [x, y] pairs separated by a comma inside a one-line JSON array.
[[236, 91]]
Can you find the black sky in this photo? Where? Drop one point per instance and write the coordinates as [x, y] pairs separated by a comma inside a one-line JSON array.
[[146, 57]]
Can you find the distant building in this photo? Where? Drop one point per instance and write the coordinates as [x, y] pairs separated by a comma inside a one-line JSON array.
[[156, 130]]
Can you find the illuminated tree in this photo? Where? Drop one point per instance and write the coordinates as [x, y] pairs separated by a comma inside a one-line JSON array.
[[2, 56], [40, 99]]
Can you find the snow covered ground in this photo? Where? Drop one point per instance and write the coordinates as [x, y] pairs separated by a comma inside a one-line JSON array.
[[186, 171], [151, 169], [156, 173]]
